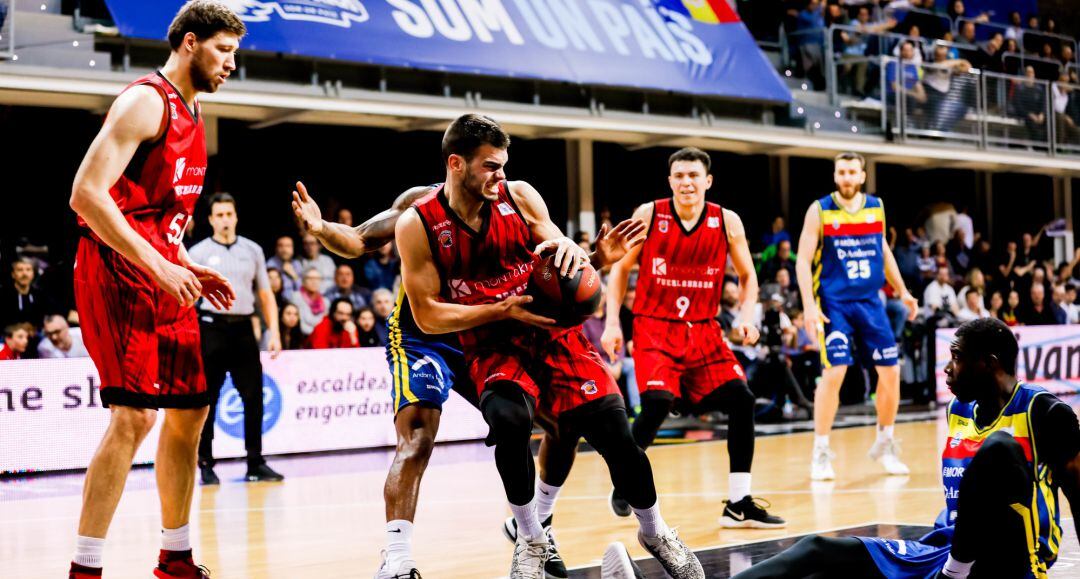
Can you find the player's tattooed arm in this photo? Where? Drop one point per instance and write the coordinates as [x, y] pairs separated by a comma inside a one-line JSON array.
[[422, 286], [748, 283], [569, 256], [352, 242], [612, 338]]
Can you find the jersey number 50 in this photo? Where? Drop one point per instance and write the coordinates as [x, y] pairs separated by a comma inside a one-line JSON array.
[[858, 269]]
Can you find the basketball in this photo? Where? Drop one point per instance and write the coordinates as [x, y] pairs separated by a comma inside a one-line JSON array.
[[567, 300]]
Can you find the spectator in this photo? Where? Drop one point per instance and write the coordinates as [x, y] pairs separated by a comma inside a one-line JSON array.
[[926, 264], [1057, 304], [21, 302], [941, 257], [729, 306], [292, 337], [1029, 103], [314, 258], [1072, 309], [345, 288], [1037, 312], [921, 17], [1067, 57], [16, 340], [345, 217], [285, 262], [947, 102], [337, 330], [962, 222], [854, 47], [809, 37], [382, 303], [916, 40], [584, 240], [956, 11], [1016, 26], [982, 258], [957, 254], [277, 286], [61, 340], [776, 233], [366, 334], [1062, 94], [967, 33], [1031, 39], [974, 281], [310, 301], [973, 307], [1010, 313], [939, 221], [939, 298], [996, 303], [909, 73], [787, 288], [381, 270], [593, 328], [782, 260]]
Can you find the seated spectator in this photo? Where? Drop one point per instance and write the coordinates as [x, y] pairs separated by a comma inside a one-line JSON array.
[[921, 17], [910, 73], [381, 270], [947, 101], [21, 302], [284, 261], [16, 340], [973, 281], [345, 217], [593, 328], [729, 306], [1062, 94], [1037, 312], [853, 48], [1010, 57], [61, 340], [787, 288], [1058, 305], [314, 258], [926, 264], [345, 288], [990, 54], [1032, 40], [776, 234], [310, 301], [958, 256], [1010, 312], [1029, 104], [939, 298], [1016, 26], [967, 34], [337, 330], [809, 38], [1072, 309], [782, 260], [917, 42], [292, 337], [277, 286], [996, 303], [366, 334], [382, 303], [973, 307], [1067, 57], [956, 11]]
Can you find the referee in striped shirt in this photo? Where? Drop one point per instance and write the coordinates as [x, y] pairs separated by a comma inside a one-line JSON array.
[[229, 343]]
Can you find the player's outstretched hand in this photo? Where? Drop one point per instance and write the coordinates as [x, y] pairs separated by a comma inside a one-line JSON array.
[[514, 308], [215, 288], [179, 282], [748, 333], [307, 212], [569, 256], [612, 341], [612, 243]]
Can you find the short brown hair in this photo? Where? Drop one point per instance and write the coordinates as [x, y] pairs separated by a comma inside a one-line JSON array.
[[468, 132], [204, 18], [851, 156], [690, 154]]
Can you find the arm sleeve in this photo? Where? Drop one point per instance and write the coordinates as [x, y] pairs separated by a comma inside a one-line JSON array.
[[1056, 433]]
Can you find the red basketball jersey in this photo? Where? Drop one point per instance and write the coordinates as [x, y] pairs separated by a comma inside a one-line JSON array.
[[160, 186], [681, 273], [478, 267]]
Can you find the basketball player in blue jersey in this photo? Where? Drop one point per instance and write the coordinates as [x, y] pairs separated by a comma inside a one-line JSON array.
[[845, 234], [414, 356], [1010, 447]]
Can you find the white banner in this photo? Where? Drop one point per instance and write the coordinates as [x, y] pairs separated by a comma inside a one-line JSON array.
[[1049, 357], [51, 416]]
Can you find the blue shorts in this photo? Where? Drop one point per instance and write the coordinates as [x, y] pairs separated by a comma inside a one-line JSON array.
[[921, 559], [863, 322], [425, 370]]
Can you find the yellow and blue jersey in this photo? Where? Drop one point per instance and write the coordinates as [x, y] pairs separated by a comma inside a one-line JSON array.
[[850, 261]]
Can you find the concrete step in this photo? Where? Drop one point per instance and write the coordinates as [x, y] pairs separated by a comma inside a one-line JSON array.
[[63, 58], [36, 6]]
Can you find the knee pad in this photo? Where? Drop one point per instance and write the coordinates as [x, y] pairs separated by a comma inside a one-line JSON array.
[[508, 414]]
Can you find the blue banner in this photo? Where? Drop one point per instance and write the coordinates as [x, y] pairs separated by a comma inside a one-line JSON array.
[[685, 46]]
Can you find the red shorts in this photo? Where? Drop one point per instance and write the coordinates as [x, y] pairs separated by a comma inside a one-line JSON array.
[[560, 370], [689, 360], [145, 346]]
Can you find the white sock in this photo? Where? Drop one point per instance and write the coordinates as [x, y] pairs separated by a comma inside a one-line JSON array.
[[88, 551], [398, 541], [652, 524], [956, 569], [528, 523], [545, 499], [821, 441], [176, 539], [885, 432], [738, 486]]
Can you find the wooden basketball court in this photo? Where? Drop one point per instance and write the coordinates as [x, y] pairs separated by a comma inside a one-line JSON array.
[[326, 520]]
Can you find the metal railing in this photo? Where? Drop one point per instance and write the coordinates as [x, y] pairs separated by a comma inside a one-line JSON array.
[[7, 29]]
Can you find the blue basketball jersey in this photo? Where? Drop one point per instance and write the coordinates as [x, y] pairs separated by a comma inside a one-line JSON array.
[[850, 260]]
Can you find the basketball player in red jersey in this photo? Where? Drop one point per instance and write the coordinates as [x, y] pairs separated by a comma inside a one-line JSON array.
[[466, 263], [679, 348], [135, 286]]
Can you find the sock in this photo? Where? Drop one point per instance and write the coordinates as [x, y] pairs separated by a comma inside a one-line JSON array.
[[528, 523], [652, 524], [88, 551], [821, 441], [738, 486], [956, 569], [176, 539], [545, 499], [398, 541], [885, 432]]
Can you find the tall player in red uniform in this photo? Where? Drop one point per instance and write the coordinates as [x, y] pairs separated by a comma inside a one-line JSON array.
[[135, 286], [679, 348], [466, 263]]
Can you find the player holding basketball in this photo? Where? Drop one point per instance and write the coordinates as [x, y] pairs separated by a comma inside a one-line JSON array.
[[845, 234], [135, 285], [1010, 447], [679, 347], [466, 261], [419, 407]]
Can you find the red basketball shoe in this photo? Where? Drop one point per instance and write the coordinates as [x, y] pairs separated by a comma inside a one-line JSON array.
[[173, 564], [79, 572]]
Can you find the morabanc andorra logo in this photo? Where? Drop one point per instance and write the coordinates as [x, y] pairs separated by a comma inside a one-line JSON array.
[[341, 13]]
